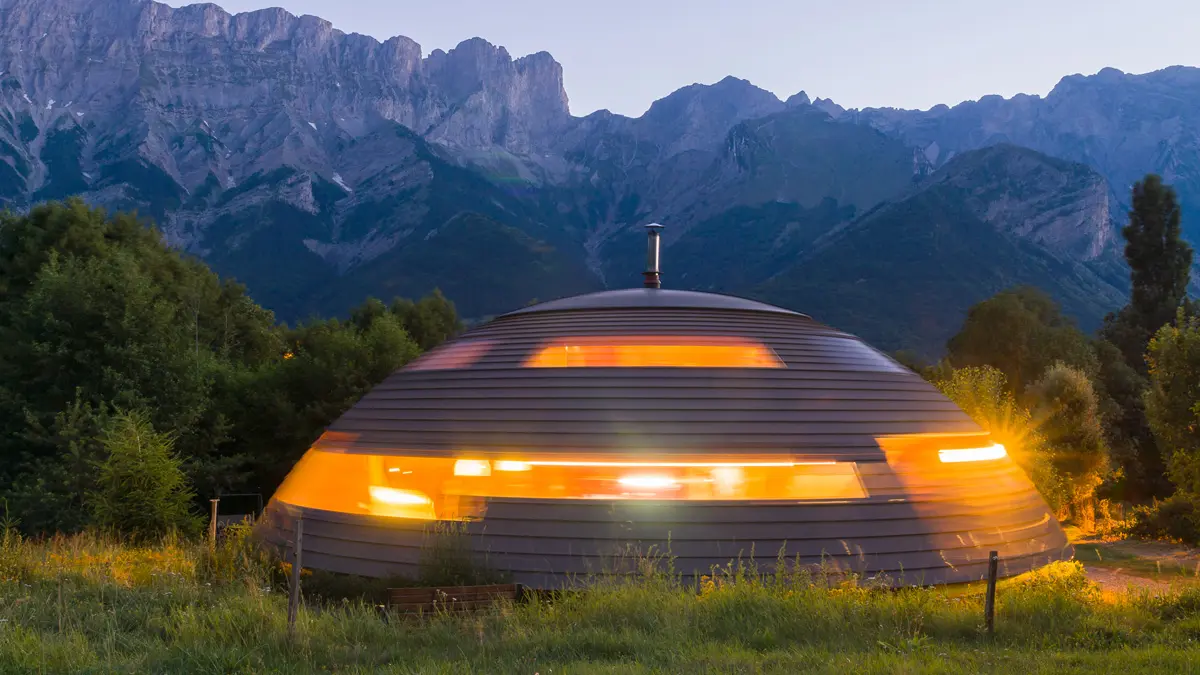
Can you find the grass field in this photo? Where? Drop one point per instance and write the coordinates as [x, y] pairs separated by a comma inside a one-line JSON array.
[[86, 604]]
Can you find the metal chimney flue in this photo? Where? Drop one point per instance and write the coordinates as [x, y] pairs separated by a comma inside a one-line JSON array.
[[653, 277]]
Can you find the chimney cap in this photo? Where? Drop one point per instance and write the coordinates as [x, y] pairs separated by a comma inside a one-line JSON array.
[[652, 276]]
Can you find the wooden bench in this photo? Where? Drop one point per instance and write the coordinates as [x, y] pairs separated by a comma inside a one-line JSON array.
[[450, 598]]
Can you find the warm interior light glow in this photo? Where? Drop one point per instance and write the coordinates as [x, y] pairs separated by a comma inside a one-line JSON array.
[[397, 497], [472, 467], [654, 352], [680, 464], [727, 480], [454, 489], [647, 482], [397, 503], [991, 452], [513, 466]]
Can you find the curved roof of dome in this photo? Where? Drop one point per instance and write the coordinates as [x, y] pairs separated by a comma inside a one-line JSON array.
[[508, 387], [652, 297]]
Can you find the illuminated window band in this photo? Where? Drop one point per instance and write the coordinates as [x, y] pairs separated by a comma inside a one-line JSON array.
[[654, 352], [446, 488], [449, 488]]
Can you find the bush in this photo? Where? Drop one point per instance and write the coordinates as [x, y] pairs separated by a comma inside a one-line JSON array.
[[141, 490], [1176, 519], [1067, 412]]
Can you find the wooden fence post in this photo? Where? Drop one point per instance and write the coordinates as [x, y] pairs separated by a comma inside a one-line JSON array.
[[294, 597], [989, 602], [61, 605], [212, 524]]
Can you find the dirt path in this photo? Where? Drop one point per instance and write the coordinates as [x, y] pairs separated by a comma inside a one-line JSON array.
[[1122, 565]]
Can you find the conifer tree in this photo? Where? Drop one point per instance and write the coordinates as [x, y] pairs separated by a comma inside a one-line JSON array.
[[1160, 269]]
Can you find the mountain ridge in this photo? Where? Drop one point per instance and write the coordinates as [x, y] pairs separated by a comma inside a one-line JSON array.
[[319, 166]]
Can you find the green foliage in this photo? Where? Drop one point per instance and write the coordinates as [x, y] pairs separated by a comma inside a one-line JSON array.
[[50, 494], [1139, 472], [430, 321], [99, 310], [1176, 518], [97, 313], [1068, 418], [1160, 267], [1021, 332], [287, 403], [141, 490], [1173, 399]]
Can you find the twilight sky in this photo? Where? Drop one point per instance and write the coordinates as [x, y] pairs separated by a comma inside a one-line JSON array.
[[624, 54]]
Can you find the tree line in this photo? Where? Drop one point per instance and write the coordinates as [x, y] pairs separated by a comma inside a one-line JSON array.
[[1112, 417], [133, 379]]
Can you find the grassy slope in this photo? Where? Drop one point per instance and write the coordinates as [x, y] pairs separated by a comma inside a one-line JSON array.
[[172, 608]]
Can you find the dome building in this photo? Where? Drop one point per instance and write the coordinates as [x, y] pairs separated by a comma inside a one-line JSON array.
[[704, 426]]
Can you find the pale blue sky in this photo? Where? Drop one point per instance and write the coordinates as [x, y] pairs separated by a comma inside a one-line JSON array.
[[624, 54]]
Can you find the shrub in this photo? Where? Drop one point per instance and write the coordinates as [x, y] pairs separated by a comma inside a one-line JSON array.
[[1176, 518], [1067, 413], [141, 490]]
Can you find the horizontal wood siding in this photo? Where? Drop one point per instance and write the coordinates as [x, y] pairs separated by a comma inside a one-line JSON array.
[[930, 522]]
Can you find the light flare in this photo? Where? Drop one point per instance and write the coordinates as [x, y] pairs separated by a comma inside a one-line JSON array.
[[988, 453]]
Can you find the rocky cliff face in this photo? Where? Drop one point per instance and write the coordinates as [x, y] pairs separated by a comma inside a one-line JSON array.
[[262, 135], [1124, 126], [320, 167], [195, 92], [907, 271], [1062, 206]]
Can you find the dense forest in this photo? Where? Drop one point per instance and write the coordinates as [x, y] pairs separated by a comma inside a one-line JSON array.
[[135, 383], [131, 373]]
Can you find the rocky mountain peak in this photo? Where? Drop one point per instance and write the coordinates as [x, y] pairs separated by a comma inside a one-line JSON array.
[[698, 116], [828, 107], [798, 99]]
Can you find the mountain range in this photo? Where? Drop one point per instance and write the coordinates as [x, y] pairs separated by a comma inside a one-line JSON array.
[[319, 167]]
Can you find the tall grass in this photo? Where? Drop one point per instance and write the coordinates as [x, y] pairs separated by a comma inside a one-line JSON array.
[[177, 607]]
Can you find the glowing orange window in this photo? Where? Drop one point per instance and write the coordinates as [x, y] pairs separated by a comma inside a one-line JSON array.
[[656, 351]]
